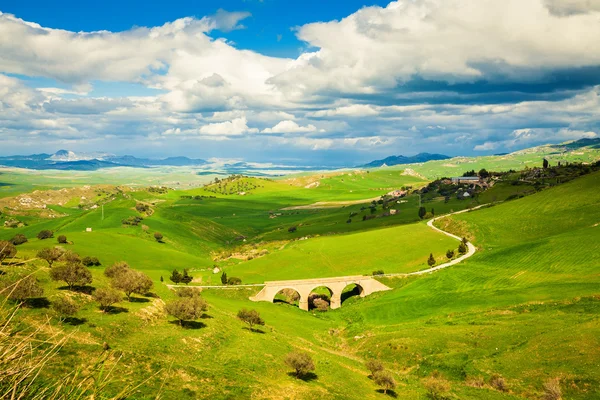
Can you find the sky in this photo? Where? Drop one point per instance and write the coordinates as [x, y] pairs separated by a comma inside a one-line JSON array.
[[302, 82]]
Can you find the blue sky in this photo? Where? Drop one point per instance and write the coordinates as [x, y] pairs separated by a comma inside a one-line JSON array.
[[324, 82]]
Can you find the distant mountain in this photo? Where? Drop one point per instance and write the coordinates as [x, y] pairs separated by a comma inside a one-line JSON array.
[[70, 160], [396, 160]]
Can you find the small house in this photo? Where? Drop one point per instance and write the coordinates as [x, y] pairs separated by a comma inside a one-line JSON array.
[[88, 229]]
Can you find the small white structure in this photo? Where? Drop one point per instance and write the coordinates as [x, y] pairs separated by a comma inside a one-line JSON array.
[[393, 212], [216, 270], [88, 229], [466, 194]]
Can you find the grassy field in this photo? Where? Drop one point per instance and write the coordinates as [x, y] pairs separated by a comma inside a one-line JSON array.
[[525, 307]]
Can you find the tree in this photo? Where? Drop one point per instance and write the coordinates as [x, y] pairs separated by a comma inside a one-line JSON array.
[[90, 261], [545, 164], [234, 281], [72, 273], [449, 254], [116, 269], [431, 260], [21, 288], [250, 317], [7, 250], [62, 239], [175, 277], [374, 366], [64, 307], [158, 236], [45, 234], [186, 278], [483, 173], [462, 249], [224, 278], [422, 212], [432, 212], [300, 362], [187, 308], [384, 380], [162, 279], [50, 255], [106, 297], [292, 229], [131, 281], [18, 239]]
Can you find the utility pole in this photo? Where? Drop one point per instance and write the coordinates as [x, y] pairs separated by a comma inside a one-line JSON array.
[[102, 212]]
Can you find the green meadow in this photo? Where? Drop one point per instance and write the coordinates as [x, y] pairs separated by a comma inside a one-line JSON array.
[[524, 309]]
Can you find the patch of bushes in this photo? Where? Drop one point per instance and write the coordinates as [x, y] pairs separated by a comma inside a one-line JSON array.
[[45, 234]]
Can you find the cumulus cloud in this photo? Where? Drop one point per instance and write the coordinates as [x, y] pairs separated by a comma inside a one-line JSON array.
[[235, 127], [354, 110], [290, 127]]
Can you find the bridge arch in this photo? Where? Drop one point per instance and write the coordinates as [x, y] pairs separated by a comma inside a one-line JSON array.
[[352, 289], [288, 295], [322, 292]]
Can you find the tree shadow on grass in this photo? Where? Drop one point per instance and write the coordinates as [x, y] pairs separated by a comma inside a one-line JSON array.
[[206, 316], [89, 290], [115, 310], [390, 393], [36, 302], [138, 300], [254, 330], [189, 324], [307, 377], [74, 321]]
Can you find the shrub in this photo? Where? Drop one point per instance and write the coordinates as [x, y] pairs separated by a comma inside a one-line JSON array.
[[187, 308], [21, 288], [552, 389], [175, 277], [90, 261], [45, 234], [378, 272], [250, 317], [498, 383], [186, 278], [234, 281], [64, 307], [431, 260], [422, 212], [462, 248], [384, 380], [7, 250], [428, 215], [224, 278], [449, 254], [62, 239], [320, 304], [300, 362], [437, 388], [158, 236], [292, 229], [187, 292], [50, 255], [117, 268], [18, 239], [106, 297], [374, 366], [72, 273], [134, 221]]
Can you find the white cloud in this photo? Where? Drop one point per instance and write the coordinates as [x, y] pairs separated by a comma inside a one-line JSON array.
[[290, 127], [354, 110], [238, 126]]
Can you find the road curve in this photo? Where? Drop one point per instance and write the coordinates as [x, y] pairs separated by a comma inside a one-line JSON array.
[[470, 248]]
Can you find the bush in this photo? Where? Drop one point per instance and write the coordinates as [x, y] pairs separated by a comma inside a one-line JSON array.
[[498, 383], [187, 292], [62, 239], [106, 297], [462, 248], [117, 268], [300, 362], [64, 307], [378, 272], [18, 239], [431, 260], [7, 250], [21, 288], [250, 317], [384, 380], [158, 236], [187, 308], [175, 277], [552, 389], [292, 229], [45, 234], [90, 261], [234, 281], [449, 254], [320, 304], [374, 366], [437, 388]]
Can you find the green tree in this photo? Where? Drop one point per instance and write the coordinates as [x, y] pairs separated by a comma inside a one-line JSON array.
[[545, 163], [483, 173], [422, 212], [45, 234], [18, 239], [64, 307], [384, 380], [107, 297], [374, 366], [20, 288], [116, 269], [7, 250], [186, 278], [224, 278], [187, 308], [131, 281], [62, 239], [158, 236], [175, 277], [431, 260], [50, 255], [449, 254], [72, 273], [462, 248], [300, 362], [250, 317]]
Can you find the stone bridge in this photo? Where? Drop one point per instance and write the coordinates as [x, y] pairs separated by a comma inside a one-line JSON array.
[[336, 286]]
